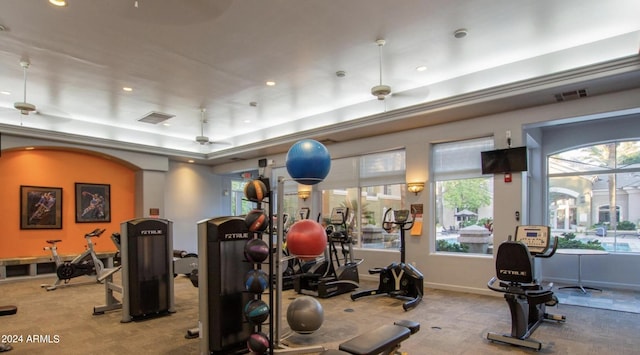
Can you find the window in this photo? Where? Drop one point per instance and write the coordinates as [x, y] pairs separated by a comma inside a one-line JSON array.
[[583, 185], [368, 185], [291, 203], [464, 197], [239, 206]]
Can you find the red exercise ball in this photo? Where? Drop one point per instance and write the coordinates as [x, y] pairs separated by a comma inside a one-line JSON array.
[[306, 239]]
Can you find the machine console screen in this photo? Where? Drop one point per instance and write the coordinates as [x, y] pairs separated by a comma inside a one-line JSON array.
[[339, 215], [537, 238], [401, 216]]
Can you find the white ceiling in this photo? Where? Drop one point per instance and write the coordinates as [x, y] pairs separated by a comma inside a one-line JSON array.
[[181, 56]]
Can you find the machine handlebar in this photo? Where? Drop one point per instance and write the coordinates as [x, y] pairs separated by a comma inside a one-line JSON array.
[[404, 223], [95, 233]]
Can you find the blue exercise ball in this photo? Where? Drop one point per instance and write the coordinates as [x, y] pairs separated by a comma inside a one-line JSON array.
[[308, 162]]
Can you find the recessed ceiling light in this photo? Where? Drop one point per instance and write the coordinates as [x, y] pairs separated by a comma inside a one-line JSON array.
[[247, 121], [5, 93], [460, 33], [127, 89], [166, 124], [58, 2], [421, 68], [190, 161], [270, 83], [29, 148]]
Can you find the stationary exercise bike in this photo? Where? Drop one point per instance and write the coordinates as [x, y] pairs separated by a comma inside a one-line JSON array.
[[340, 273], [527, 299], [399, 280], [86, 263]]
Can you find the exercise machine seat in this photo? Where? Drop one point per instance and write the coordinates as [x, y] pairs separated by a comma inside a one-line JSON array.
[[514, 267], [514, 256], [414, 327]]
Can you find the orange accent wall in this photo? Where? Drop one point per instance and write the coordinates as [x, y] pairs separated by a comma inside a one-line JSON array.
[[57, 168]]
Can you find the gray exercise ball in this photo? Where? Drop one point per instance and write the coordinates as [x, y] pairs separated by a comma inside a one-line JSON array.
[[305, 315]]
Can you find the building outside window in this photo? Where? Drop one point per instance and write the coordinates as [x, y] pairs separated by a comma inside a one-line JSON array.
[[463, 197], [583, 184]]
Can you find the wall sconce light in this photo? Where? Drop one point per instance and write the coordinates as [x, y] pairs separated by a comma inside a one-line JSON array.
[[304, 194], [59, 3], [415, 187]]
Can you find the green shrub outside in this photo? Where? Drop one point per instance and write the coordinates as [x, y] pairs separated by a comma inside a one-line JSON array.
[[568, 241]]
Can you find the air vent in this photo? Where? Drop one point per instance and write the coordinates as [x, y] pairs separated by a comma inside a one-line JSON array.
[[154, 117], [571, 95]]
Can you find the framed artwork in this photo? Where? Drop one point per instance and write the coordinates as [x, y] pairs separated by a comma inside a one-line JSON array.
[[93, 203], [40, 207]]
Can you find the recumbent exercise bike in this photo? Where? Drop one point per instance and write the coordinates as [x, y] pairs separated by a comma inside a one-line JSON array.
[[86, 263], [398, 280], [527, 299]]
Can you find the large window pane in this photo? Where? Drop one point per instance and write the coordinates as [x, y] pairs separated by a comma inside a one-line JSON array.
[[375, 202], [239, 205], [464, 198], [594, 197], [368, 185], [342, 198], [464, 215]]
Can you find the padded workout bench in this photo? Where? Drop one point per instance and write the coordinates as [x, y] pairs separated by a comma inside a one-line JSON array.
[[384, 340]]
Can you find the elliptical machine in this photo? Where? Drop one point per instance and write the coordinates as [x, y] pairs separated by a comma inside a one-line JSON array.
[[338, 277], [399, 280], [296, 267], [527, 299], [86, 263]]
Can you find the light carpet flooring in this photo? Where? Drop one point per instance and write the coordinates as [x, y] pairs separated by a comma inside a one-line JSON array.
[[451, 323]]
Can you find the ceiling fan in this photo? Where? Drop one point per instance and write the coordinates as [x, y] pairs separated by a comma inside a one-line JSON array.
[[396, 99], [24, 107], [202, 139], [380, 91]]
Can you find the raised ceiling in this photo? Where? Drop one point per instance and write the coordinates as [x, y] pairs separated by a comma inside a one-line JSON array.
[[181, 56]]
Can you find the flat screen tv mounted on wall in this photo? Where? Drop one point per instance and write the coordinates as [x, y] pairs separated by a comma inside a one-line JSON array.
[[508, 160]]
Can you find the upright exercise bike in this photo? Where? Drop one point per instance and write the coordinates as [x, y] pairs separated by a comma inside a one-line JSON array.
[[340, 273], [527, 299], [86, 263], [399, 280]]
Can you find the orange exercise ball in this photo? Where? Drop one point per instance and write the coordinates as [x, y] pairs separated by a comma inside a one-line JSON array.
[[306, 239]]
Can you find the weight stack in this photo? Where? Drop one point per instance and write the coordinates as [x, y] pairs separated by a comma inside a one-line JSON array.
[[222, 295], [147, 268]]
